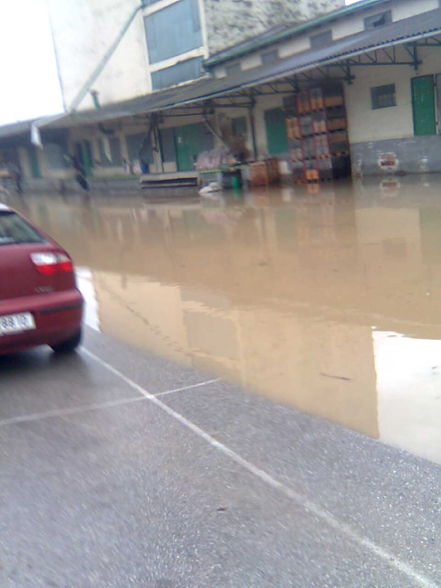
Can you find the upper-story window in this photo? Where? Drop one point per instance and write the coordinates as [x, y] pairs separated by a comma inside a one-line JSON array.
[[321, 39], [378, 20], [232, 69], [270, 56], [186, 70], [173, 30]]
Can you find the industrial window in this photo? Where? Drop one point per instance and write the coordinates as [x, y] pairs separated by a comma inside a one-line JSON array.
[[378, 20], [383, 96], [270, 56], [321, 40], [110, 152], [139, 147], [233, 69], [239, 126], [173, 30], [175, 74], [55, 155]]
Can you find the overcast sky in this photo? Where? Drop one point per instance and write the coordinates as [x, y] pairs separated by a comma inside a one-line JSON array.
[[30, 85]]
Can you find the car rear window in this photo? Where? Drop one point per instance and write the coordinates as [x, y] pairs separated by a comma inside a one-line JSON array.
[[13, 229]]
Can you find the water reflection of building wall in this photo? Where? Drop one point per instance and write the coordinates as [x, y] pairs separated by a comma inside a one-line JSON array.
[[378, 263], [280, 297], [324, 368]]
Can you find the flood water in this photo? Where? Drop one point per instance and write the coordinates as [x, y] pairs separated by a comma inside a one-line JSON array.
[[327, 299]]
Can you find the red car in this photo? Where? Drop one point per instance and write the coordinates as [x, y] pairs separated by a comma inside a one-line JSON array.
[[39, 301]]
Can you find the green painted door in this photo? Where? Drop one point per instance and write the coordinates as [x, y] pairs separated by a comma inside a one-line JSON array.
[[187, 146], [423, 104], [83, 151], [33, 160], [276, 136], [191, 141]]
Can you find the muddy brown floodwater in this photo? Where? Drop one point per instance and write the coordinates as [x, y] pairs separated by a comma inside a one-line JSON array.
[[327, 299]]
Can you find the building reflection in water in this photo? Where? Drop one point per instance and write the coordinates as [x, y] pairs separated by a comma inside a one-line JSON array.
[[329, 302]]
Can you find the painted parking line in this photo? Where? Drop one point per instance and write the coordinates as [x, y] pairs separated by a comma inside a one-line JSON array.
[[400, 565], [38, 416], [184, 388], [60, 412]]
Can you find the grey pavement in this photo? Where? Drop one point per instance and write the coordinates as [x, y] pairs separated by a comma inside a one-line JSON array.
[[202, 486]]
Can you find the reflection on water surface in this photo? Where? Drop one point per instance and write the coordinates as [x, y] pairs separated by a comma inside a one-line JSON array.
[[327, 301]]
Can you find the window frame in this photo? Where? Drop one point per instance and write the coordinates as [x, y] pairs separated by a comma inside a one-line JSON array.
[[166, 24], [322, 39], [376, 96], [369, 21], [269, 57], [232, 69]]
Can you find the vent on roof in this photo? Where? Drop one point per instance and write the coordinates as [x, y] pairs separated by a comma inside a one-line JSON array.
[[378, 20], [233, 68], [270, 56], [320, 40]]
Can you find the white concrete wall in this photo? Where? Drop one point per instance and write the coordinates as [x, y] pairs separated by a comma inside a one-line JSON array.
[[251, 61], [394, 122], [407, 8], [294, 46], [83, 31], [400, 9]]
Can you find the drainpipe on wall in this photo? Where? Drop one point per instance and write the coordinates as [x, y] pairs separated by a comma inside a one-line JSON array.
[[37, 124], [251, 118], [104, 60], [95, 98]]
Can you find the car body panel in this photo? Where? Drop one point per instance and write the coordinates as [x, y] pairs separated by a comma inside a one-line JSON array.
[[54, 301]]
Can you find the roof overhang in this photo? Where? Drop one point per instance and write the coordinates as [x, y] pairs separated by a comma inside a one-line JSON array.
[[403, 32], [279, 34], [406, 31]]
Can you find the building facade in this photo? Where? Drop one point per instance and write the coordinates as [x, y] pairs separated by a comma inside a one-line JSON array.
[[168, 85], [161, 42]]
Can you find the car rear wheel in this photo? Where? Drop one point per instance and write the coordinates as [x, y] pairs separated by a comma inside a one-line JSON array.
[[69, 344]]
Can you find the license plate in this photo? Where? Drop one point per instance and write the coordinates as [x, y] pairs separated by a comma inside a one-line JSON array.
[[16, 323]]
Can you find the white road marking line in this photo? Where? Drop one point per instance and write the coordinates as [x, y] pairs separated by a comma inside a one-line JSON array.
[[188, 387], [403, 567], [38, 416], [58, 412]]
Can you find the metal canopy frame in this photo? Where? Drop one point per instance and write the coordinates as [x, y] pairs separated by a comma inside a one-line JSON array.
[[427, 42], [337, 66]]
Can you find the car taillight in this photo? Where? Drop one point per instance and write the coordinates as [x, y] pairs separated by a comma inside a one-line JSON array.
[[49, 263]]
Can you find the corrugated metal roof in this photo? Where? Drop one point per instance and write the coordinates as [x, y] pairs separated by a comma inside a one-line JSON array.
[[281, 33], [13, 129], [425, 24], [422, 25]]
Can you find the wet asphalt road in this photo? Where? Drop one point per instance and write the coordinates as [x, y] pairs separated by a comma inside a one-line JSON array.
[[200, 486]]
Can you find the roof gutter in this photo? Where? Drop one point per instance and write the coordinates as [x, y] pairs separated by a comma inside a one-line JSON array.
[[293, 32]]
